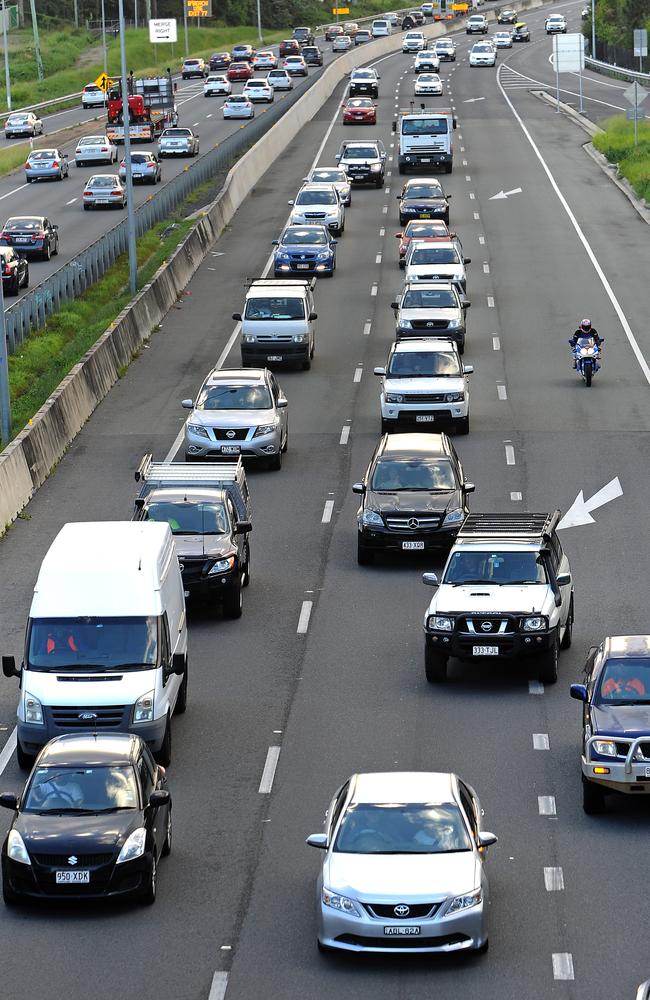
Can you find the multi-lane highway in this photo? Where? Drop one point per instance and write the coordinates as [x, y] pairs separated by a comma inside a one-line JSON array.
[[326, 662]]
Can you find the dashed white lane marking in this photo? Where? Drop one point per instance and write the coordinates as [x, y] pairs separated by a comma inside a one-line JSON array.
[[385, 209], [268, 774], [9, 193], [390, 159], [378, 259], [481, 240], [490, 301], [392, 145], [515, 496], [563, 965], [382, 231], [468, 177], [8, 750], [305, 614], [358, 372], [501, 391], [194, 124], [208, 116], [71, 202], [510, 454], [546, 805], [496, 343], [328, 510], [219, 986], [476, 216], [387, 190], [486, 269], [541, 741], [373, 290], [389, 173], [345, 434], [534, 687], [367, 327], [472, 196], [464, 163], [554, 879], [462, 149]]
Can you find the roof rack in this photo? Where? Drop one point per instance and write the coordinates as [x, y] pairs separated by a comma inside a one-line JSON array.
[[510, 526], [179, 474], [274, 282]]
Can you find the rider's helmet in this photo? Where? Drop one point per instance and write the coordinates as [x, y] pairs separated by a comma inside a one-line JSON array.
[[585, 327]]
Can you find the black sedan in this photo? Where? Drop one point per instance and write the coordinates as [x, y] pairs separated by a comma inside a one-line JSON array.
[[521, 32], [15, 271], [92, 821], [31, 234], [423, 199]]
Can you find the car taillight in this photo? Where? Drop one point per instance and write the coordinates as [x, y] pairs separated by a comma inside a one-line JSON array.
[[116, 191], [104, 149], [55, 163], [88, 194], [38, 236], [27, 165], [6, 269], [151, 166]]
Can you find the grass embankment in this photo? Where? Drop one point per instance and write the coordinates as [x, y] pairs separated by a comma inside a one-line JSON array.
[[617, 144], [47, 355]]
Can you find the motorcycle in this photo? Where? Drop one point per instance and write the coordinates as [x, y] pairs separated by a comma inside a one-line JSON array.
[[586, 353]]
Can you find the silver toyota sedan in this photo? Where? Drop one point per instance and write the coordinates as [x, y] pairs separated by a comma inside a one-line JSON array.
[[94, 149], [404, 865], [104, 191], [238, 411]]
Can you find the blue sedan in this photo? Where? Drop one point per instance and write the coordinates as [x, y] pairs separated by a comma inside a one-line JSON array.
[[305, 250]]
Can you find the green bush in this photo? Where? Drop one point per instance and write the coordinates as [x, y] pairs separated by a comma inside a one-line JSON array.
[[617, 144]]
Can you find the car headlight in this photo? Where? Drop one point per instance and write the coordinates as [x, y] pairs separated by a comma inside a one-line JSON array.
[[342, 903], [33, 709], [454, 516], [16, 849], [133, 846], [453, 324], [394, 397], [324, 255], [143, 708], [372, 517], [281, 255], [454, 397], [222, 566], [249, 340], [198, 430], [534, 624], [375, 168], [265, 428], [441, 623], [464, 902], [405, 324], [606, 748]]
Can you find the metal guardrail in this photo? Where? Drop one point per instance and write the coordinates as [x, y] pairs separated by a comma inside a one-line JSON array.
[[628, 74], [31, 311]]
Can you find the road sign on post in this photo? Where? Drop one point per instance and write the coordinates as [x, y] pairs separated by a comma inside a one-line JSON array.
[[198, 8], [104, 82], [340, 10], [568, 57], [640, 45], [163, 30], [636, 95]]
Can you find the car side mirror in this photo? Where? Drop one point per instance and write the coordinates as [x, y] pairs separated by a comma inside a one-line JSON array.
[[159, 797], [274, 243], [467, 260], [465, 303], [468, 369], [178, 664], [237, 316], [317, 840], [468, 487], [9, 667], [291, 202], [394, 127], [430, 579], [55, 227], [578, 691], [334, 243], [282, 403], [187, 404], [243, 527], [359, 488], [448, 197], [564, 579], [487, 839], [8, 800], [313, 315], [337, 157], [380, 371], [455, 123]]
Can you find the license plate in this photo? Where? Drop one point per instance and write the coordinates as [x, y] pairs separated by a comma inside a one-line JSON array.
[[401, 931], [428, 160], [412, 545], [485, 650], [425, 215], [302, 267], [274, 357], [101, 201], [426, 418], [230, 449], [22, 239], [72, 878]]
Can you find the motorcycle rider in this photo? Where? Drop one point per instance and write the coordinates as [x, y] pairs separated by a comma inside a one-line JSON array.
[[585, 330]]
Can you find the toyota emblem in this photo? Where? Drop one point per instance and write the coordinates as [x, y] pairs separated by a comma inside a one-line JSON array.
[[429, 326], [72, 860], [401, 910], [486, 626], [230, 434], [413, 523]]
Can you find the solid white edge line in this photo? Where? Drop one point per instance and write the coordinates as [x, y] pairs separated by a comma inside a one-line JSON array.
[[8, 749], [328, 510], [305, 615], [268, 774], [583, 239], [219, 986]]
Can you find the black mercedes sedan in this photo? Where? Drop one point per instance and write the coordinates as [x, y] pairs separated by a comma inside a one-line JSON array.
[[93, 820]]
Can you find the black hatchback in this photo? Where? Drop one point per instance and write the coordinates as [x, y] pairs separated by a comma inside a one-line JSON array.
[[414, 496], [92, 821]]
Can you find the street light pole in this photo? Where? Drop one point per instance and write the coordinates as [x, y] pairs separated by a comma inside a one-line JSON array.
[[259, 22], [130, 212], [37, 44], [4, 38], [593, 29], [104, 40], [187, 44], [5, 399]]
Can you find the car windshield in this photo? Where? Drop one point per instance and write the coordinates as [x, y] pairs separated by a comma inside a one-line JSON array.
[[418, 230], [360, 102], [185, 518], [81, 789], [363, 74], [23, 224], [93, 140], [402, 828], [140, 157], [413, 474], [361, 153], [497, 568], [275, 308], [191, 62], [178, 133], [428, 78], [304, 237], [17, 119], [442, 298], [43, 154], [625, 681], [89, 643], [316, 198], [434, 255], [330, 176], [102, 182], [424, 126], [482, 47], [420, 364], [234, 397]]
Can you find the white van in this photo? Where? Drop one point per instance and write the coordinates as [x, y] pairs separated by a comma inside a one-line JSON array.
[[278, 325], [381, 28], [106, 641]]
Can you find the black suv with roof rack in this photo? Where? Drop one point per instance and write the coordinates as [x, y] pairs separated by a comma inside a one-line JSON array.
[[506, 592]]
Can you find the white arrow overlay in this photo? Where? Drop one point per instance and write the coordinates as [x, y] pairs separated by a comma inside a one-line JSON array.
[[472, 100], [504, 194], [580, 510]]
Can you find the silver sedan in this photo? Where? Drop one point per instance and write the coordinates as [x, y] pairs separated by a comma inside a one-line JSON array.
[[178, 142], [46, 164], [23, 123], [145, 167], [94, 149], [404, 865], [104, 191]]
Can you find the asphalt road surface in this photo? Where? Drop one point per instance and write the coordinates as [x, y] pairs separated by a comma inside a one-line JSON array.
[[235, 910]]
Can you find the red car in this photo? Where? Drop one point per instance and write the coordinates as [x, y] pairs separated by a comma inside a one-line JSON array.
[[239, 71], [289, 47], [359, 111], [333, 32], [434, 230]]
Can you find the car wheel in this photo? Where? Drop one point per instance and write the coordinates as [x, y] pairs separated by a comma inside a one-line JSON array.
[[164, 755], [26, 281], [462, 425], [401, 169], [233, 603], [450, 167], [15, 288], [379, 182], [548, 664], [275, 463], [169, 834], [25, 760], [9, 896], [47, 253], [435, 665], [87, 208], [593, 798], [149, 892], [181, 701], [365, 556], [56, 248], [306, 365], [482, 948], [568, 631]]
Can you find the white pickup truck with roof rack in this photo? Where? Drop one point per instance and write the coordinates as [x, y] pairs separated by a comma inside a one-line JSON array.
[[425, 139]]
